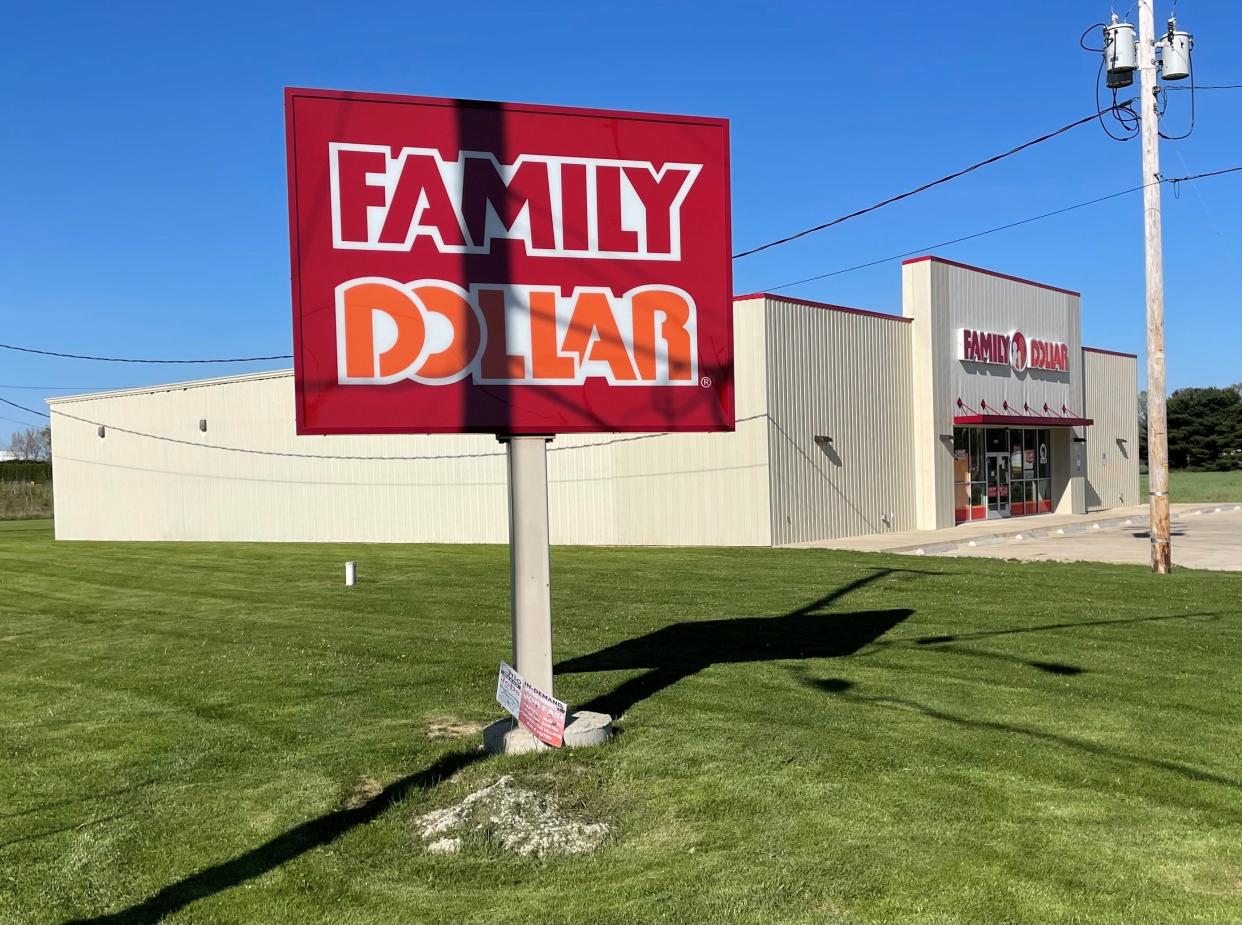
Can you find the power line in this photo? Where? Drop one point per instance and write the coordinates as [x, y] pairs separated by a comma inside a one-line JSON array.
[[1202, 176], [16, 421], [1211, 217], [1206, 87], [254, 452], [850, 269], [926, 186], [81, 356], [754, 250], [980, 234], [977, 234], [234, 449]]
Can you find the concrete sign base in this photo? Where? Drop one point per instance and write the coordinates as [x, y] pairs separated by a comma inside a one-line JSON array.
[[584, 728]]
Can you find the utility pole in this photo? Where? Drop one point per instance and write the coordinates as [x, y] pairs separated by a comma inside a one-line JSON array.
[[1122, 57], [1157, 419]]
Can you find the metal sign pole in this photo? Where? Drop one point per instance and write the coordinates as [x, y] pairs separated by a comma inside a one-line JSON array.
[[530, 574], [529, 564]]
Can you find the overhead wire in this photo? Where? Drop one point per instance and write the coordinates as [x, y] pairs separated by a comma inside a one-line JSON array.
[[1207, 211], [105, 359], [1082, 38], [247, 450], [1005, 227], [924, 187], [1119, 111], [164, 438], [1209, 87], [746, 253], [16, 421], [236, 449]]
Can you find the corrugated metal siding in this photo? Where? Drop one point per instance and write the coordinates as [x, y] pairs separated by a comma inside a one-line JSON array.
[[1112, 441], [686, 489], [984, 302], [944, 298], [846, 376]]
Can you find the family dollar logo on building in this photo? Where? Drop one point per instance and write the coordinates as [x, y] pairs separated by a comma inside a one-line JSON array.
[[1014, 349], [507, 268]]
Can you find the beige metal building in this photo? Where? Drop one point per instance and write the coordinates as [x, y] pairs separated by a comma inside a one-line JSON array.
[[978, 401]]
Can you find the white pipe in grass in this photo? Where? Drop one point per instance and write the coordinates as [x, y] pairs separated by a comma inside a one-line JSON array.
[[351, 574]]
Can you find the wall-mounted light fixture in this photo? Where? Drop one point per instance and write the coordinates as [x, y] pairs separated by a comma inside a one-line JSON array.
[[202, 424], [1080, 439], [103, 431], [822, 441]]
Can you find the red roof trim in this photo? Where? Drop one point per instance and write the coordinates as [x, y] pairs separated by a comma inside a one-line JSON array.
[[834, 308], [1020, 420], [986, 272], [1112, 353]]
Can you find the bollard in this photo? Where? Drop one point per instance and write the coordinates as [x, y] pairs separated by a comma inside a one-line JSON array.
[[351, 574]]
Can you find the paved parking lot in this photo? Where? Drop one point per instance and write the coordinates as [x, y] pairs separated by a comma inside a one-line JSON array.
[[1207, 537]]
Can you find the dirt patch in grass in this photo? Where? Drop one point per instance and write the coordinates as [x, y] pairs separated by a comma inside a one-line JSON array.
[[524, 821], [363, 792], [447, 727]]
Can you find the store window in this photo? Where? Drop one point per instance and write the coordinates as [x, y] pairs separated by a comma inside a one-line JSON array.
[[969, 490], [1028, 475], [1043, 469]]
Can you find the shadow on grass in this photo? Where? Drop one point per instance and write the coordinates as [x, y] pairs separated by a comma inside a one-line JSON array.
[[72, 827], [844, 690], [1049, 627], [676, 652], [680, 650], [1059, 668], [285, 847], [98, 796]]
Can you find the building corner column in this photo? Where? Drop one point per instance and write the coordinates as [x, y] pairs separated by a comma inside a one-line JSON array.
[[925, 426]]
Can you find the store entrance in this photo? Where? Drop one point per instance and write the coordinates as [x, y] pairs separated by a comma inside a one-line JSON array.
[[998, 485], [1001, 472]]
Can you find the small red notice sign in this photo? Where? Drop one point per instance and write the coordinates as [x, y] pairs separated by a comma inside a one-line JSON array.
[[540, 713], [543, 715]]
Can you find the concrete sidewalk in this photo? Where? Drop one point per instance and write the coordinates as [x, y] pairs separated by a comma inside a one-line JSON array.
[[1200, 539]]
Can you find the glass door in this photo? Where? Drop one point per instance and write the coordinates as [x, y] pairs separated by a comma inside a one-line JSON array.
[[998, 485]]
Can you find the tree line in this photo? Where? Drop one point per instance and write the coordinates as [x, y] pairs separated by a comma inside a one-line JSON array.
[[1205, 428], [34, 444]]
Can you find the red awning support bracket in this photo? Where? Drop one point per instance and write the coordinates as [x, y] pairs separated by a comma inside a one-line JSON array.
[[1009, 416]]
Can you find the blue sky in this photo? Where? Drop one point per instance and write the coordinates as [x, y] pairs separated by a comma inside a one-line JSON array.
[[144, 203]]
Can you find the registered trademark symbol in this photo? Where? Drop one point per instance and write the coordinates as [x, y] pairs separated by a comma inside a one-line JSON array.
[[706, 382]]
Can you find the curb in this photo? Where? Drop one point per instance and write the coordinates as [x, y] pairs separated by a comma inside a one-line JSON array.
[[1018, 534]]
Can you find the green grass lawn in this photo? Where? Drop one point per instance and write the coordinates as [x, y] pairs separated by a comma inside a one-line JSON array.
[[1200, 487], [808, 736]]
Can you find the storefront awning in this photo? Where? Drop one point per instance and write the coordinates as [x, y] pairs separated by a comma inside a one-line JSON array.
[[1019, 420]]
